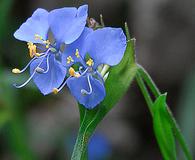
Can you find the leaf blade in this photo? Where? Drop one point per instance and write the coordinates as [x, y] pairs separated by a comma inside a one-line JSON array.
[[163, 130]]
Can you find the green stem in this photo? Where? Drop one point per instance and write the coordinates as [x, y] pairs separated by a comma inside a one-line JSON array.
[[144, 74], [144, 92], [179, 135], [157, 93], [80, 147], [87, 128]]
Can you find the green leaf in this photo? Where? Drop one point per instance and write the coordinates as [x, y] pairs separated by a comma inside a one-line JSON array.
[[117, 83], [156, 92], [163, 130]]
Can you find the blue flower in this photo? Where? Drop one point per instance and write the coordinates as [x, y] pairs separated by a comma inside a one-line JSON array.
[[94, 52], [65, 25], [99, 147]]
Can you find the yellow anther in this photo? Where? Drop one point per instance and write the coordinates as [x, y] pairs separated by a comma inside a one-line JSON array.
[[77, 53], [90, 62], [77, 75], [32, 49], [38, 37], [69, 59], [55, 91], [47, 43], [16, 71], [73, 73], [38, 54]]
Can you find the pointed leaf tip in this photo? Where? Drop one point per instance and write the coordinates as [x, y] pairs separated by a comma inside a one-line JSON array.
[[163, 130]]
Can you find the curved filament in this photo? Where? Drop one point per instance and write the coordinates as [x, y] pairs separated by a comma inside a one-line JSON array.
[[83, 91], [28, 80]]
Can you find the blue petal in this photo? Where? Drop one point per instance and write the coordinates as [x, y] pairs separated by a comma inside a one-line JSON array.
[[50, 80], [106, 46], [89, 101], [68, 23], [78, 44], [37, 24]]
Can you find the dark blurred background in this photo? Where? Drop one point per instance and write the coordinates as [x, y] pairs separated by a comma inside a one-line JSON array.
[[36, 127]]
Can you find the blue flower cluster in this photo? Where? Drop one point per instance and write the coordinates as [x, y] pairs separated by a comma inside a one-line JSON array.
[[64, 52]]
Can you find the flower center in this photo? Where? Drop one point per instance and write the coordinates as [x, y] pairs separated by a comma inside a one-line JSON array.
[[32, 50], [77, 53], [90, 62], [46, 42], [73, 73], [46, 49], [69, 59]]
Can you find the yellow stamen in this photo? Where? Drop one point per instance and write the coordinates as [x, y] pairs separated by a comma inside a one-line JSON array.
[[90, 62], [38, 54], [55, 91], [77, 75], [32, 49], [73, 73], [77, 53], [69, 59], [38, 37], [15, 71], [46, 42]]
